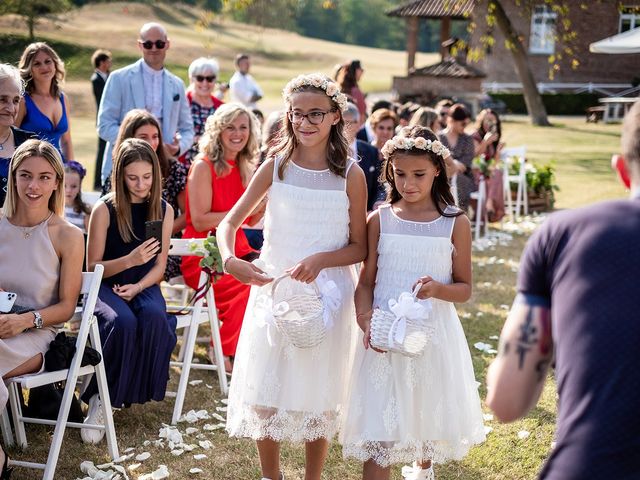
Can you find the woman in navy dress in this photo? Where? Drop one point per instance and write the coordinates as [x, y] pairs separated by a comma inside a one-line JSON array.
[[137, 334], [44, 109]]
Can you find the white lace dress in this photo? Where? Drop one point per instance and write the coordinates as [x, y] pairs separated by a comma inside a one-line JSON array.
[[400, 408], [279, 391]]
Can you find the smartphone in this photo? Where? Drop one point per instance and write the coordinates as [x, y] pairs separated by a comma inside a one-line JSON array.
[[153, 229], [7, 300]]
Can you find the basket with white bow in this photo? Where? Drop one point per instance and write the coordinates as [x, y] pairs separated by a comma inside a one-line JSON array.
[[303, 313], [407, 328]]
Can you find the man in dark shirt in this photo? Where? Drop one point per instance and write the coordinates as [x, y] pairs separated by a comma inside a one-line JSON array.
[[578, 304], [101, 60]]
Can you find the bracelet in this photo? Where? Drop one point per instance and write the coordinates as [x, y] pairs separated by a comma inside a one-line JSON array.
[[139, 285], [225, 261]]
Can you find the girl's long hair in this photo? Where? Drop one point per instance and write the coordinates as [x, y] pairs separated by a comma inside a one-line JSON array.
[[79, 206], [131, 122], [346, 76], [210, 144], [480, 125], [130, 151], [440, 190], [337, 145], [35, 148], [26, 62]]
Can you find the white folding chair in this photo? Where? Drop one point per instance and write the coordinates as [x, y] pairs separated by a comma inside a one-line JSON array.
[[197, 314], [482, 217], [88, 330], [518, 154]]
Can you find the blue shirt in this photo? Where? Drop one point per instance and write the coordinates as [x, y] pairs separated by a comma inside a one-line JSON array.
[[586, 263]]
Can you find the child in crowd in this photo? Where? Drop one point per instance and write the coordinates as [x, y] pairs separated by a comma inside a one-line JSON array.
[[76, 211], [314, 229], [137, 334], [403, 408]]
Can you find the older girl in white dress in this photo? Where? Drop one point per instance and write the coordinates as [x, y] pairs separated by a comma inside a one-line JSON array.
[[423, 408], [314, 228]]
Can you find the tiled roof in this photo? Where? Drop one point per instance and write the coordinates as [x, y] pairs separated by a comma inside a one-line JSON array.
[[449, 68], [458, 9]]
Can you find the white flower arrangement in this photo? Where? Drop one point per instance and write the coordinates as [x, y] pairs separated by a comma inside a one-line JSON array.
[[317, 80], [404, 143]]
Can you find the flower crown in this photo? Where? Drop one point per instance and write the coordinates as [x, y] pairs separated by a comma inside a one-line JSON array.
[[76, 167], [404, 143], [317, 80]]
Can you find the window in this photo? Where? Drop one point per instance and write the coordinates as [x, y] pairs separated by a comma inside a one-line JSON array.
[[629, 18], [543, 30]]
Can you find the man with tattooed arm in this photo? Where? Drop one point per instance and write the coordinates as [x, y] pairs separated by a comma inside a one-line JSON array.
[[578, 305]]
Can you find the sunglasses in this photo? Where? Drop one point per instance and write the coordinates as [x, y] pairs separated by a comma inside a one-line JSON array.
[[202, 78], [148, 45]]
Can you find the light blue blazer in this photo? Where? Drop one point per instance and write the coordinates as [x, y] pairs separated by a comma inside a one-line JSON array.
[[124, 91]]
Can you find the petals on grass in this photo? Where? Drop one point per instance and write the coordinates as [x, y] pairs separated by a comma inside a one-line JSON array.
[[523, 434]]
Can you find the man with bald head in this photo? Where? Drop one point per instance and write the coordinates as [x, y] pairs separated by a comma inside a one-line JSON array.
[[148, 85]]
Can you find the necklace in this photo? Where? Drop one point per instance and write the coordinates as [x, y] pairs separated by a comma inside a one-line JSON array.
[[5, 140], [27, 231]]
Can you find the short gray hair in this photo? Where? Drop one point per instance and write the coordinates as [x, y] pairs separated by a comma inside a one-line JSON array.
[[202, 66], [352, 110], [9, 72]]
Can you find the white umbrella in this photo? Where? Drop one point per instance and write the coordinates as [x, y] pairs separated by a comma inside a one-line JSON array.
[[627, 42]]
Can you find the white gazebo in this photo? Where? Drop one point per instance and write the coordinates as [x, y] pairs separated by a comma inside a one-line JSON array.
[[626, 42]]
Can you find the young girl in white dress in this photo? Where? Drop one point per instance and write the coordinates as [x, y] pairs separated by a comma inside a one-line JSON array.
[[315, 227], [425, 408]]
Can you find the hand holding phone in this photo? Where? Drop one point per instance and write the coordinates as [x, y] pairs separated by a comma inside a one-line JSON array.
[[153, 229]]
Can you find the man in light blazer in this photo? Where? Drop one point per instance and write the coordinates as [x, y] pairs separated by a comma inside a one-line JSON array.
[[148, 85]]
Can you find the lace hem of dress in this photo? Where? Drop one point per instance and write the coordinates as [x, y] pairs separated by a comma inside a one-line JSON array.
[[259, 423], [389, 453]]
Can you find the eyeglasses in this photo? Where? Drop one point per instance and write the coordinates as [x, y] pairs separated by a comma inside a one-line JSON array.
[[148, 45], [315, 118], [209, 78]]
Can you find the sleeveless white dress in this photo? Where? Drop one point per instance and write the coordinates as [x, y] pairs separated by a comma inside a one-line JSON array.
[[279, 391], [402, 409]]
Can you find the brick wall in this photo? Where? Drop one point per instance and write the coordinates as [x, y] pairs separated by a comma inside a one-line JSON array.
[[599, 21]]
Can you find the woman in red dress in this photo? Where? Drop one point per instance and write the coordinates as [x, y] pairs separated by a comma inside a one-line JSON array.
[[217, 179]]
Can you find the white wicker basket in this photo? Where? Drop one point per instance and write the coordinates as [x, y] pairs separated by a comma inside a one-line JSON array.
[[408, 335], [298, 311]]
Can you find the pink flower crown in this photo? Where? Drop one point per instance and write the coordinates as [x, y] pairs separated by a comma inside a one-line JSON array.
[[404, 143]]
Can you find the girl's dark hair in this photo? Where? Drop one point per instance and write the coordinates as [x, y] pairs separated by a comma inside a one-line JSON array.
[[480, 125], [440, 190], [346, 77], [79, 206], [337, 145]]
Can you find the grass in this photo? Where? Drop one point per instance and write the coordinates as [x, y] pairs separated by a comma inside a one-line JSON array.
[[580, 152]]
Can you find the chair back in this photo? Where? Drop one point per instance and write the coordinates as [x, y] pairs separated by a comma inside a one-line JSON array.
[[182, 247]]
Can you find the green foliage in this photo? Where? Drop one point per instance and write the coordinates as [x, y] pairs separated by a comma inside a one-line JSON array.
[[211, 259], [541, 179], [556, 104], [31, 10]]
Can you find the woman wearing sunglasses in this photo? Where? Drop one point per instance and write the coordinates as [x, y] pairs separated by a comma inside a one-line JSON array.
[[203, 73]]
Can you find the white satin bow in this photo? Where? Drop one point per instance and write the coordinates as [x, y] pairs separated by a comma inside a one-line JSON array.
[[406, 307], [263, 312], [331, 299]]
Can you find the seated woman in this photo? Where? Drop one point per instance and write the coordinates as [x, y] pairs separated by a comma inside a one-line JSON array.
[[486, 140], [141, 124], [137, 334], [217, 179], [461, 147], [44, 109], [40, 260], [11, 92]]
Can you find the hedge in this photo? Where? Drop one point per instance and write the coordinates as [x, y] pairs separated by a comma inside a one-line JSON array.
[[556, 104]]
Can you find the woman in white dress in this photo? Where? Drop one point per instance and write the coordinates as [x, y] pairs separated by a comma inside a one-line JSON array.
[[314, 229], [423, 408]]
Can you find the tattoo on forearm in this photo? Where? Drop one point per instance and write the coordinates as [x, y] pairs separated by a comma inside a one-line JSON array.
[[527, 339]]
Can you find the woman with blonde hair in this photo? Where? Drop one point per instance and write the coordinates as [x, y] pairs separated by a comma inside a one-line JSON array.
[[217, 179], [40, 261], [426, 117], [44, 109]]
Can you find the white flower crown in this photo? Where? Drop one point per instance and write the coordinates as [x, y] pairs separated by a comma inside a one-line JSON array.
[[404, 143], [317, 80]]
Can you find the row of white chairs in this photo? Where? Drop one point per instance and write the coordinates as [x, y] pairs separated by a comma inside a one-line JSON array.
[[512, 208], [201, 312]]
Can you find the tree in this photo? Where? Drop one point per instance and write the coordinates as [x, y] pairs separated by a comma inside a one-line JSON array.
[[31, 10]]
